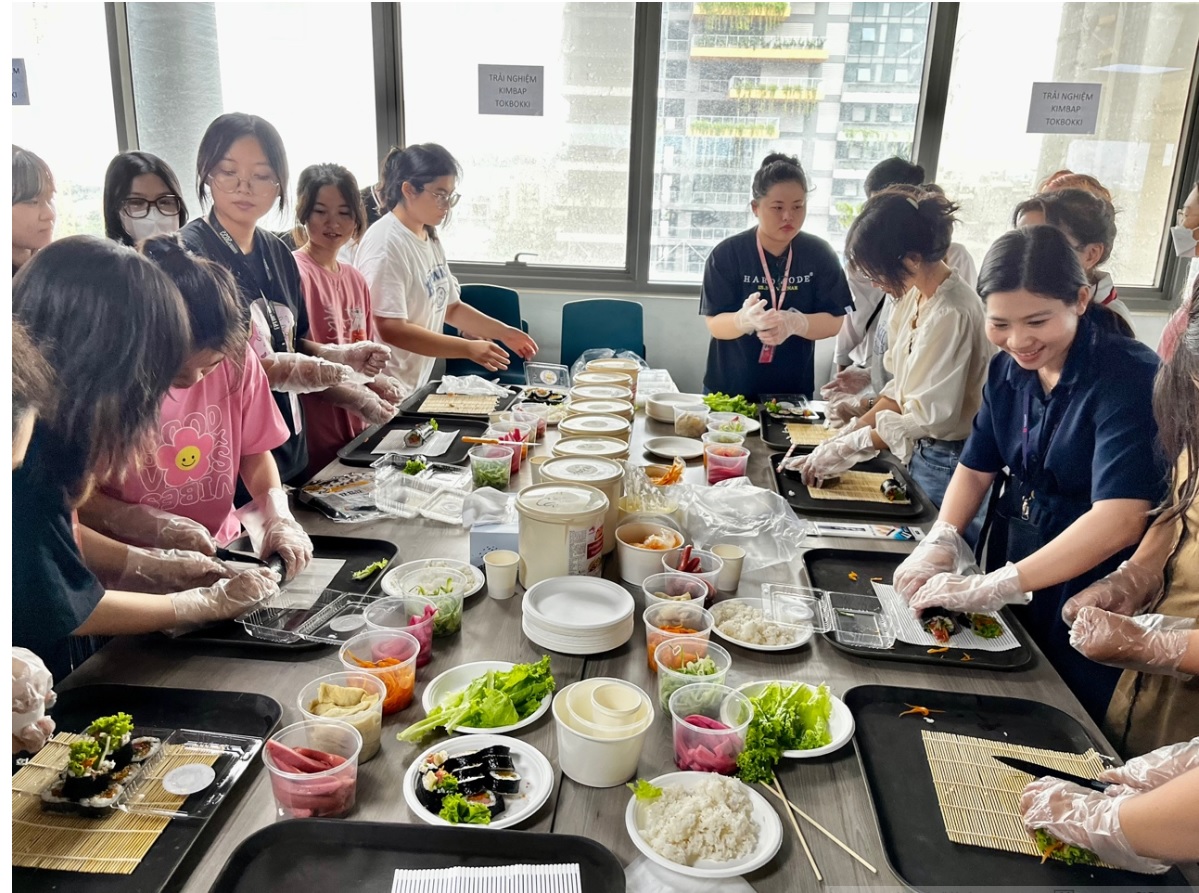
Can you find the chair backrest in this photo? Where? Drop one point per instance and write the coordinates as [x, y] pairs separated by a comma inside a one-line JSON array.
[[494, 300], [605, 322]]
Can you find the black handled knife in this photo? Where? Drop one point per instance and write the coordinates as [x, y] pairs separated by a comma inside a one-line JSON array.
[[1038, 771]]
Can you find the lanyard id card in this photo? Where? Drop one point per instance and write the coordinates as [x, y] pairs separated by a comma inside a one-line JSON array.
[[278, 338], [776, 299]]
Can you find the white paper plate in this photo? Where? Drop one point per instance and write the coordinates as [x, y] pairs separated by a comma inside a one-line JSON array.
[[840, 724], [391, 580], [458, 678], [660, 407], [580, 605], [674, 447], [563, 645], [805, 635], [537, 779], [770, 833]]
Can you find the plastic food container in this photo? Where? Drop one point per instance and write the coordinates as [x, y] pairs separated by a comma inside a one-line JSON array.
[[710, 566], [414, 614], [725, 462], [601, 392], [491, 465], [327, 793], [691, 420], [369, 723], [637, 561], [561, 531], [596, 425], [720, 438], [511, 433], [622, 408], [605, 475], [673, 657], [592, 447], [728, 422], [674, 587], [671, 620], [540, 411], [446, 588], [709, 722], [393, 653]]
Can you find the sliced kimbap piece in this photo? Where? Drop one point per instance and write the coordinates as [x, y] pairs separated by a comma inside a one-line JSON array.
[[505, 781], [496, 750], [114, 734], [498, 762], [145, 747], [433, 786], [128, 774], [473, 784], [54, 800], [101, 804], [494, 802]]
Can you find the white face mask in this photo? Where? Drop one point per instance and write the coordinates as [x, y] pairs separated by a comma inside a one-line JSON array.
[[1184, 241], [153, 224]]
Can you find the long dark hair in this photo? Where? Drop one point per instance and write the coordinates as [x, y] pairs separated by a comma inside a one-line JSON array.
[[419, 165], [118, 180], [32, 379], [314, 178], [1176, 409], [894, 223], [226, 130], [893, 171], [30, 175], [777, 168], [114, 329], [1084, 215]]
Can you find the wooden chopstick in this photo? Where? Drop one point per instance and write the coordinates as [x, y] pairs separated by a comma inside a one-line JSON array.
[[819, 827], [778, 792], [490, 440]]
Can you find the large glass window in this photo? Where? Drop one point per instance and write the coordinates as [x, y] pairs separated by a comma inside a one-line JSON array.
[[555, 184], [836, 84], [69, 121], [1142, 56]]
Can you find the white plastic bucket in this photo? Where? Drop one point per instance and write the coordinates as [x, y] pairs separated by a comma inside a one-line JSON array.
[[561, 531]]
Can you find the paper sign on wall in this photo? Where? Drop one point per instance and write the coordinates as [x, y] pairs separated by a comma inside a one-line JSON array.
[[1064, 108], [20, 83], [512, 90]]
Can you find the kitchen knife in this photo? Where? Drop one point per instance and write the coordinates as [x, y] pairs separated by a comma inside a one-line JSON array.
[[1038, 771]]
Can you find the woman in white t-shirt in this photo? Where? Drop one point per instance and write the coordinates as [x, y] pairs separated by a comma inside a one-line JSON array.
[[412, 290]]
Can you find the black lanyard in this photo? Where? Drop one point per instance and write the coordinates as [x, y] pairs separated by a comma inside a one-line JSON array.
[[278, 339], [1028, 476]]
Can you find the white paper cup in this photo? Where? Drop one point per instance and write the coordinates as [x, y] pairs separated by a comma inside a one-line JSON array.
[[535, 463], [501, 567], [729, 577]]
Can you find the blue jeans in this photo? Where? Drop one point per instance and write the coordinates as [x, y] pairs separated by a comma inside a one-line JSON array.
[[931, 466]]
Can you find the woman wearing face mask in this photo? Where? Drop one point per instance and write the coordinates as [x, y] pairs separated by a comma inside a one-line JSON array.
[[33, 213], [1067, 407], [771, 292], [142, 198], [1183, 234]]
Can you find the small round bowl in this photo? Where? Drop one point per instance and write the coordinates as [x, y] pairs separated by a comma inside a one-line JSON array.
[[615, 703], [673, 587], [732, 422], [591, 760], [329, 793], [673, 657], [412, 613], [667, 620], [709, 723], [636, 561], [397, 651], [369, 723]]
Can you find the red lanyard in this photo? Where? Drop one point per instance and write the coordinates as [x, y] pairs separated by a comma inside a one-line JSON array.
[[776, 300]]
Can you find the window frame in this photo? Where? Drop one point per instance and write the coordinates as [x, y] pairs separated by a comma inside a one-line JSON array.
[[633, 279]]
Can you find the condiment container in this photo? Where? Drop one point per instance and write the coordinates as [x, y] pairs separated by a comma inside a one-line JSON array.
[[369, 723]]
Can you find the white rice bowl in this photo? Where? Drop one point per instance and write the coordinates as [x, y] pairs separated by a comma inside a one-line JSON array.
[[710, 820]]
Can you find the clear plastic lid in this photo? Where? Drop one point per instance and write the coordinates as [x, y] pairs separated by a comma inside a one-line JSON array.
[[797, 607], [444, 506], [622, 408], [860, 621], [603, 425], [591, 377], [581, 470], [560, 502], [547, 375], [606, 447], [600, 392], [333, 618]]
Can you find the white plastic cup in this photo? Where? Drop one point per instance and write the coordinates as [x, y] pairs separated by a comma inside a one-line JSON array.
[[501, 567], [729, 577]]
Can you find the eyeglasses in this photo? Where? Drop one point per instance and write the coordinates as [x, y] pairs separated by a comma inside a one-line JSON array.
[[167, 205], [445, 199], [260, 184]]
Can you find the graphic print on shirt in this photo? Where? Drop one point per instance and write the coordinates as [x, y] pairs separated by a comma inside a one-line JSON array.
[[757, 279], [437, 287], [260, 330], [343, 325], [193, 462]]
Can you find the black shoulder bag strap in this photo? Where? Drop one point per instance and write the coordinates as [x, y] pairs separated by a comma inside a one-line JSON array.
[[278, 338]]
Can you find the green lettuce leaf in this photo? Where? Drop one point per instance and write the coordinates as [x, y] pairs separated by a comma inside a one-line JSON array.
[[786, 717], [643, 790], [457, 809]]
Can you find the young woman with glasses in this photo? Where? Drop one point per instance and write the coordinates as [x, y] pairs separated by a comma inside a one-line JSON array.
[[412, 290], [142, 198]]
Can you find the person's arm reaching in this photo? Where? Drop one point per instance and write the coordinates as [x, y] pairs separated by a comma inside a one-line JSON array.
[[467, 319], [419, 340], [119, 566]]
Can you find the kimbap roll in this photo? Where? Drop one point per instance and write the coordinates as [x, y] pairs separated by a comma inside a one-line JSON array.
[[102, 803], [940, 623], [114, 734], [505, 781], [494, 802], [144, 748]]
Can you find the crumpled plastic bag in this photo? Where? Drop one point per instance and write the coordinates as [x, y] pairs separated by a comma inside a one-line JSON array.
[[735, 511], [488, 506], [471, 384], [603, 353], [644, 876]]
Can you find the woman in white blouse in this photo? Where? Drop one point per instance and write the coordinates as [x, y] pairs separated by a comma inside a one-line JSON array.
[[937, 345]]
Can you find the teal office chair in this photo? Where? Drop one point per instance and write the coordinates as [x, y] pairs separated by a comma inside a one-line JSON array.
[[618, 325], [499, 303]]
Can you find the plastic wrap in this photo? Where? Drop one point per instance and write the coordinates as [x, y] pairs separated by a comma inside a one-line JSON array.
[[735, 511], [603, 353]]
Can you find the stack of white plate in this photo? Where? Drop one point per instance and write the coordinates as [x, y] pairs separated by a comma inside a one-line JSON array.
[[578, 615]]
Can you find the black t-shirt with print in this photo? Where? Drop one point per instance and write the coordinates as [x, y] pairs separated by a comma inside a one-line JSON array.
[[734, 271]]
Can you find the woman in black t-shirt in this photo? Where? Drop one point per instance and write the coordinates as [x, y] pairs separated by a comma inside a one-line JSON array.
[[770, 292]]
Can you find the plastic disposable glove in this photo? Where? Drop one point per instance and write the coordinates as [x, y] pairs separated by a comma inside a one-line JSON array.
[[750, 317], [853, 380], [1084, 818], [1125, 590], [362, 401], [1150, 643], [942, 551], [389, 389], [224, 600], [169, 570], [297, 373], [146, 526], [781, 325], [834, 457], [843, 408], [981, 593], [282, 535], [367, 357], [1154, 769], [32, 693]]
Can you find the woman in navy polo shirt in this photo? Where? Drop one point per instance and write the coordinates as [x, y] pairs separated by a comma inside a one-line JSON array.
[[1068, 409], [770, 292]]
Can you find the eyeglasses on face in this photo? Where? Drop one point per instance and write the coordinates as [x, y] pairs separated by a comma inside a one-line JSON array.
[[259, 184], [167, 205], [445, 199]]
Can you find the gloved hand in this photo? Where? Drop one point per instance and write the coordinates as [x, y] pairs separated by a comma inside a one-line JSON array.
[[1154, 769], [224, 600], [834, 457], [843, 408], [750, 317], [389, 389], [1084, 818], [282, 535], [147, 526], [1150, 643], [942, 551], [852, 380], [362, 401], [367, 357], [297, 373], [1125, 590], [981, 593], [169, 570], [781, 325], [32, 693]]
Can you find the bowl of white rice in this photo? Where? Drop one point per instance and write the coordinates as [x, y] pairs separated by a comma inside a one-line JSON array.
[[705, 825]]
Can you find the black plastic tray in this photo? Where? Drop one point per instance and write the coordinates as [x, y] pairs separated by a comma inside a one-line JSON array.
[[900, 784], [792, 489], [829, 569], [358, 451], [411, 406], [240, 713], [319, 854], [774, 431], [358, 554]]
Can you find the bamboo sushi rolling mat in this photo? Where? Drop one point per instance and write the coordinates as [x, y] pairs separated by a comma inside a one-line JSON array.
[[61, 842], [858, 486], [809, 435], [980, 797], [466, 404]]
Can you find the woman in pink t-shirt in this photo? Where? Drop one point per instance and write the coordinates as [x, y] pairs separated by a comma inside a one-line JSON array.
[[217, 423], [329, 213]]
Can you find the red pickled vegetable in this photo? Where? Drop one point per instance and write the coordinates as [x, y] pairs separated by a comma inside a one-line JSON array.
[[286, 757], [704, 722], [685, 559], [321, 757], [696, 752]]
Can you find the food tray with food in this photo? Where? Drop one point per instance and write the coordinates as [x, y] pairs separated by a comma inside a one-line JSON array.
[[854, 572], [359, 555], [209, 719], [891, 751], [320, 854], [777, 411], [918, 509], [419, 403], [361, 450]]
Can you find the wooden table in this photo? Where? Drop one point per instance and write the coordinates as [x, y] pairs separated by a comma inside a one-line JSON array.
[[831, 789]]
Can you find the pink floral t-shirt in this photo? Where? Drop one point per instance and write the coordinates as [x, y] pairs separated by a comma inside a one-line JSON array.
[[203, 432]]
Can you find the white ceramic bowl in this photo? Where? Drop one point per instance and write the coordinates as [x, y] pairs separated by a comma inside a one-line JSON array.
[[637, 563], [591, 761], [660, 407]]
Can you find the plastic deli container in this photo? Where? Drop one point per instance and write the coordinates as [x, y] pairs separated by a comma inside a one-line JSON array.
[[605, 475], [561, 531], [592, 447]]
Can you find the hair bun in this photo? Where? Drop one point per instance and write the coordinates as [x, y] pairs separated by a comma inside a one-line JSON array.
[[779, 156]]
